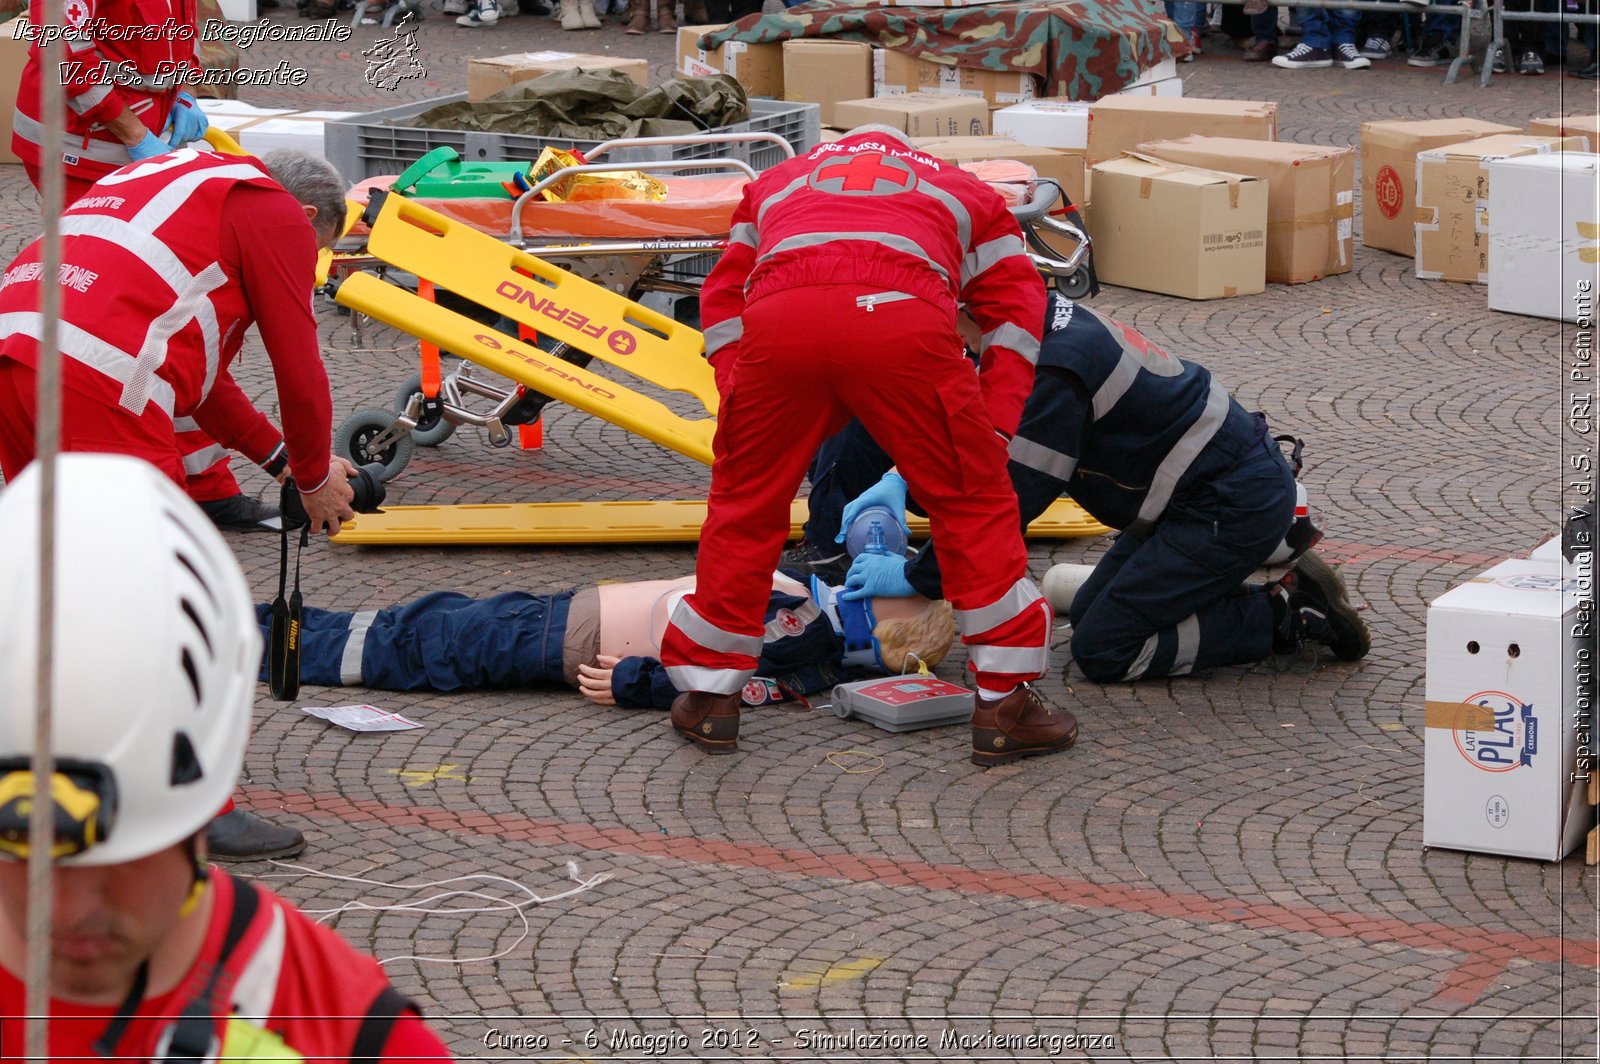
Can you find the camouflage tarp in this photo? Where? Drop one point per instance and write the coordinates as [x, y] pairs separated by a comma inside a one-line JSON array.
[[1081, 49]]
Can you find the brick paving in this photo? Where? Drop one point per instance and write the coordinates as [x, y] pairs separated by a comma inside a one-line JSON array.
[[1227, 867]]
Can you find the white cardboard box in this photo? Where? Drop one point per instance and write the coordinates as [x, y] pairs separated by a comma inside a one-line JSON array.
[[1501, 753], [238, 10], [1061, 124], [1548, 551], [1544, 213]]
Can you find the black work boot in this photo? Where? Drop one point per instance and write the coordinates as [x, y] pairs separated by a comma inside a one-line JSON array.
[[240, 836], [709, 721], [1019, 725], [1310, 605], [241, 513]]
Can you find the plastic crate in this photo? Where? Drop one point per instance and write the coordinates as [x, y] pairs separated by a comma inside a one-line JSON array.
[[371, 144]]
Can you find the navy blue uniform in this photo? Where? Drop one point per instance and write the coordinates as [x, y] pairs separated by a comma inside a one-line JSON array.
[[1153, 446]]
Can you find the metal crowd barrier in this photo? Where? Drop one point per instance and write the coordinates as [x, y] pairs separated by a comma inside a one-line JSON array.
[[1502, 16]]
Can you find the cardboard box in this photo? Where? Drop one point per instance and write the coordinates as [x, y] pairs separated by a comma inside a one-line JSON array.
[[1045, 123], [1500, 749], [758, 67], [1452, 214], [1168, 88], [1064, 168], [1389, 174], [260, 129], [918, 114], [1121, 123], [1180, 230], [13, 57], [824, 72], [1544, 213], [1549, 551], [1585, 126], [487, 76], [895, 74], [1311, 195]]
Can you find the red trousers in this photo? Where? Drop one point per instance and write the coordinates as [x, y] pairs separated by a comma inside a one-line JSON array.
[[87, 424], [811, 358], [205, 462]]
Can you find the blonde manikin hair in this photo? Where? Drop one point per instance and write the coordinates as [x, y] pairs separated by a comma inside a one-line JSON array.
[[925, 637]]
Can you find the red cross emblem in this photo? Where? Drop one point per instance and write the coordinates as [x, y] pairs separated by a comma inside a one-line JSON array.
[[861, 173]]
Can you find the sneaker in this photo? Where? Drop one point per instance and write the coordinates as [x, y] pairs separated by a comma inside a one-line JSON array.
[[1500, 64], [1430, 53], [1303, 55], [1530, 63], [831, 562], [455, 7], [241, 513], [1588, 73], [1261, 52], [1347, 56], [1310, 605], [1377, 48], [485, 13], [508, 8]]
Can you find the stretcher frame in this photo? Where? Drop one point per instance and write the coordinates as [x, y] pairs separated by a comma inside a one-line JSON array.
[[586, 317]]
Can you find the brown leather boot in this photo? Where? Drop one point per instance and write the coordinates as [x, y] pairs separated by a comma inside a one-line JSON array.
[[640, 16], [667, 16], [709, 721], [1019, 725]]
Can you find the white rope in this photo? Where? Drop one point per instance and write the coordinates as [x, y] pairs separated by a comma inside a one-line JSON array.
[[430, 903], [47, 439]]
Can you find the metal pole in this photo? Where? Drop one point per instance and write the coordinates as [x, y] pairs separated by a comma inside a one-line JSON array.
[[41, 825]]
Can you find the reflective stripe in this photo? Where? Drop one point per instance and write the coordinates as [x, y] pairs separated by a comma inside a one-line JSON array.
[[354, 647], [744, 233], [711, 681], [782, 194], [1115, 386], [1042, 459], [175, 193], [89, 98], [1147, 653], [150, 249], [1017, 598], [193, 302], [958, 210], [203, 459], [889, 240], [985, 255], [90, 350], [1188, 646], [703, 633], [99, 151], [185, 424], [1015, 661], [1183, 454], [722, 334], [1016, 338]]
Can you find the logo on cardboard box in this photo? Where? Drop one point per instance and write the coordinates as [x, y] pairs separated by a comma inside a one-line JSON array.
[[1389, 192], [1495, 731]]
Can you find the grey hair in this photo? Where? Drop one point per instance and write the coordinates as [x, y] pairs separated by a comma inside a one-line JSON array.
[[879, 127], [311, 180]]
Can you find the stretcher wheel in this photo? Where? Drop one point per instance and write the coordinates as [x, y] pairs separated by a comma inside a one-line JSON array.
[[1079, 285], [432, 428], [356, 436]]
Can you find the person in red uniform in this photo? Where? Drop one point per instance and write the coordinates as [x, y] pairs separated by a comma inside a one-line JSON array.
[[165, 264], [112, 122], [155, 955], [837, 297]]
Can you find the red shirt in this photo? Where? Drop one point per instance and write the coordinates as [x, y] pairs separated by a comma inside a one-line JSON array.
[[320, 976]]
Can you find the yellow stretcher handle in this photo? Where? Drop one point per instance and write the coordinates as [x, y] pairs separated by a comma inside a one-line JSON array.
[[223, 142]]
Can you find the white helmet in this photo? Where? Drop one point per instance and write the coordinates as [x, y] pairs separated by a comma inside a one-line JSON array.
[[155, 655]]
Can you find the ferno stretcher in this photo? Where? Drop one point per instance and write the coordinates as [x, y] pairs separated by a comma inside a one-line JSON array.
[[478, 250]]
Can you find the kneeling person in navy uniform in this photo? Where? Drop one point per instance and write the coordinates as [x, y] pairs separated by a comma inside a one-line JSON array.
[[1201, 493]]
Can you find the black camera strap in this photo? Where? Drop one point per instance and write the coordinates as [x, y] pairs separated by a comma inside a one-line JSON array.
[[283, 636]]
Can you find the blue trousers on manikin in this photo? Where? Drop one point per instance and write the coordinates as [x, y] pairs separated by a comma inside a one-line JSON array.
[[445, 641]]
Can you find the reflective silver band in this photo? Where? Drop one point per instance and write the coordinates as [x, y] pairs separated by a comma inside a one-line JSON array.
[[712, 681], [1013, 336], [981, 258], [1114, 387], [1147, 653], [743, 233], [354, 647], [203, 459], [1018, 597], [703, 633], [889, 240], [722, 334], [1183, 454], [1016, 661], [99, 151], [85, 347], [1038, 457], [1188, 646]]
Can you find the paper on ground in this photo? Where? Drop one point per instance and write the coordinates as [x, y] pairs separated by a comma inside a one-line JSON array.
[[362, 718]]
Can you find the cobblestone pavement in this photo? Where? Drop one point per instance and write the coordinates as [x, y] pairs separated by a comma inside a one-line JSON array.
[[1228, 867]]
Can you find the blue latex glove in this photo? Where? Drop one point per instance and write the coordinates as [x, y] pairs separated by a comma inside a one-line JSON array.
[[877, 574], [187, 122], [889, 491], [149, 148]]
